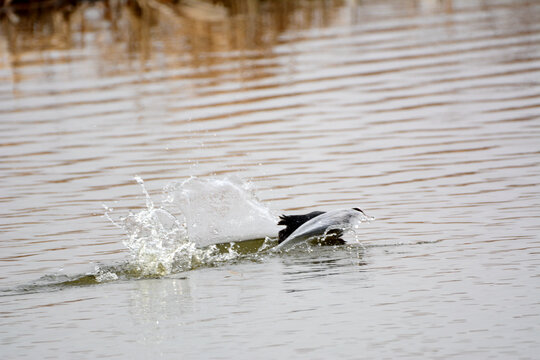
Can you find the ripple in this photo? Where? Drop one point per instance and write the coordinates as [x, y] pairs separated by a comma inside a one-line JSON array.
[[424, 113]]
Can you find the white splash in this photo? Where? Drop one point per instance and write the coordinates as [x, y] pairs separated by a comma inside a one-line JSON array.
[[104, 274], [220, 210], [195, 215]]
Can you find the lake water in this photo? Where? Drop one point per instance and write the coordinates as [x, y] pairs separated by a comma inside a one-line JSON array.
[[425, 114]]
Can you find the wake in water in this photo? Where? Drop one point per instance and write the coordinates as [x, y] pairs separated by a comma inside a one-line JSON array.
[[201, 222]]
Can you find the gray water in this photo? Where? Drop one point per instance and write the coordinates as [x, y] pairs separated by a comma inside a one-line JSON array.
[[426, 114]]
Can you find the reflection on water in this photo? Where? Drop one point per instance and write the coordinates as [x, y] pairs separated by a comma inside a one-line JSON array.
[[424, 113], [194, 33], [154, 303], [322, 262]]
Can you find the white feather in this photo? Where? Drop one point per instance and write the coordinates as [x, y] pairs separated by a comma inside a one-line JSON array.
[[320, 225]]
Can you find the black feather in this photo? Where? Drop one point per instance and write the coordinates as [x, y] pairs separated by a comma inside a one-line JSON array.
[[357, 209], [293, 222]]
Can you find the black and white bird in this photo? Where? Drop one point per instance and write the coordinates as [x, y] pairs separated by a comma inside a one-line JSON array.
[[325, 226]]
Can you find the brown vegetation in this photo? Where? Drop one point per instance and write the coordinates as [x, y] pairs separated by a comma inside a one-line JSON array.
[[193, 25]]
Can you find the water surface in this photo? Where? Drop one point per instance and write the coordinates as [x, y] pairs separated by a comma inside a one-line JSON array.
[[426, 114]]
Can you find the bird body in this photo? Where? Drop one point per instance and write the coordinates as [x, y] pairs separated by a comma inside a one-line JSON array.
[[317, 224]]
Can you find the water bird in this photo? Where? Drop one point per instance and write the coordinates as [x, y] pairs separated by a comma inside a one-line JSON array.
[[327, 227]]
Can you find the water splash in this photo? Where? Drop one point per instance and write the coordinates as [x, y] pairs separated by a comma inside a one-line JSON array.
[[104, 274], [196, 216], [220, 210]]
